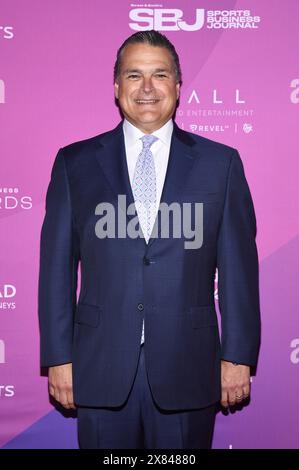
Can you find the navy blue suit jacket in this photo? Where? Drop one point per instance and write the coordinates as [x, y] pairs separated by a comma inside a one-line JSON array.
[[124, 280]]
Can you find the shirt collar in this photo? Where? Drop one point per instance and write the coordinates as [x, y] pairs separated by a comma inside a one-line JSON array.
[[132, 133]]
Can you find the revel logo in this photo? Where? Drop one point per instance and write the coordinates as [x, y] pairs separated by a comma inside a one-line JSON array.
[[164, 19]]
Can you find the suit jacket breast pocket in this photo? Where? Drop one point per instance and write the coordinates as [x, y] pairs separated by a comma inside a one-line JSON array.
[[201, 196]]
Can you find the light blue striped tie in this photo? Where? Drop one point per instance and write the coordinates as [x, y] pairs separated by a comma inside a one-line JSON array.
[[144, 186]]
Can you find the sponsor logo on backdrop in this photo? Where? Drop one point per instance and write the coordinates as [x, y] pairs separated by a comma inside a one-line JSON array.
[[215, 97], [2, 91], [210, 113], [10, 199], [143, 17], [7, 294], [247, 127], [2, 352], [164, 19], [294, 356], [6, 32], [7, 391], [294, 95], [232, 19]]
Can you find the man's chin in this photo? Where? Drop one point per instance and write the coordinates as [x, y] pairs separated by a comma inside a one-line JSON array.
[[147, 120], [148, 116]]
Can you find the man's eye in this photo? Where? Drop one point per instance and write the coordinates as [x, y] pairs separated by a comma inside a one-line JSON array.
[[161, 75], [133, 76]]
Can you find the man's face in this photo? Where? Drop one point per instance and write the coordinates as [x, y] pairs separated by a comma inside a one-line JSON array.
[[146, 88]]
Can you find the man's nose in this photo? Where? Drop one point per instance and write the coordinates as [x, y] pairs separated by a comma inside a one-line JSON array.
[[147, 84]]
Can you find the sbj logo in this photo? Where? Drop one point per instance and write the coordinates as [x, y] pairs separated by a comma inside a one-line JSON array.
[[164, 19]]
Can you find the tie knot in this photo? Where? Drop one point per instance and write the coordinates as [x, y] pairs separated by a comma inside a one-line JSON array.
[[148, 140]]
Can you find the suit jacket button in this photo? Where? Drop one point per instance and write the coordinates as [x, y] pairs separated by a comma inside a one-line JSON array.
[[146, 261], [140, 307]]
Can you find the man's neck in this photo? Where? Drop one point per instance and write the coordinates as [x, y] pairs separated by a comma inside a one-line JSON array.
[[148, 129]]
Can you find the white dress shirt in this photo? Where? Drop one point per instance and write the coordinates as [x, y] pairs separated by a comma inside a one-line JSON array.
[[160, 150]]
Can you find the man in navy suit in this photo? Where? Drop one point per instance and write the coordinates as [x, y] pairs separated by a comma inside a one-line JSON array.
[[139, 354]]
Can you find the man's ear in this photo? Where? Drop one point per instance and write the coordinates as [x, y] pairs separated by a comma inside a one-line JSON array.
[[178, 88], [116, 86]]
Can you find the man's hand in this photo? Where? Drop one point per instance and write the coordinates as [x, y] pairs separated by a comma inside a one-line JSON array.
[[235, 383], [61, 385]]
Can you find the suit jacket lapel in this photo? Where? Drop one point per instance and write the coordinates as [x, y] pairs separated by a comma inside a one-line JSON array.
[[180, 163], [111, 156]]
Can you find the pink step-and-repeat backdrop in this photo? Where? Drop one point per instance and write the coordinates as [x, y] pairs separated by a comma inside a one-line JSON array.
[[240, 66]]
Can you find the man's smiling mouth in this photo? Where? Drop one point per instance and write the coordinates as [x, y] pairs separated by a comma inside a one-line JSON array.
[[147, 101]]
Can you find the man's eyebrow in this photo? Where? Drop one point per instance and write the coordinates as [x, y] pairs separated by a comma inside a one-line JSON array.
[[131, 71], [163, 70], [158, 70]]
